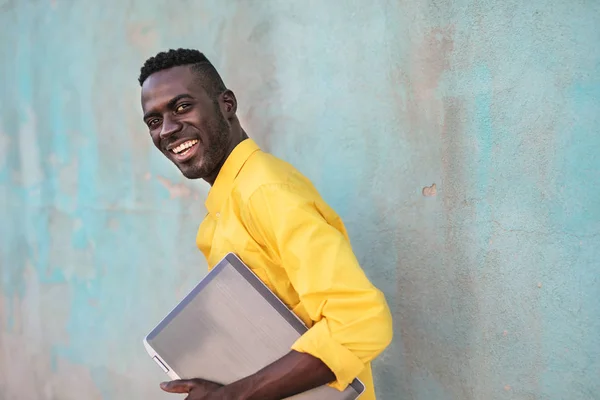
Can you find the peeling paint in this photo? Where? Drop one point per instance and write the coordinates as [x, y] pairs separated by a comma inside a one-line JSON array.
[[430, 191]]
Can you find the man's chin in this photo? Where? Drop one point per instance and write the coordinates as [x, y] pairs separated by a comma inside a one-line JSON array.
[[191, 173], [191, 169]]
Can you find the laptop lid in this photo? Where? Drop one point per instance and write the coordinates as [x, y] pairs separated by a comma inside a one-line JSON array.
[[227, 328]]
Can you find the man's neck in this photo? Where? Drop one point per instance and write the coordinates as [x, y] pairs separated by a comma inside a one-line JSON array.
[[237, 139]]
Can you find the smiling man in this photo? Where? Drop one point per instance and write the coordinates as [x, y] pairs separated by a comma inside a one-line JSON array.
[[272, 217]]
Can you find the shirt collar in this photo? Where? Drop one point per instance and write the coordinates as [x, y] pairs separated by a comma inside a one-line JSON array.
[[220, 190]]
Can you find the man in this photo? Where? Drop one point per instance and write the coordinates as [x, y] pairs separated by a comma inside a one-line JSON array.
[[272, 217]]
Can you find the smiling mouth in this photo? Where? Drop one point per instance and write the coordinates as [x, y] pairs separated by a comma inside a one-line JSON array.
[[184, 148]]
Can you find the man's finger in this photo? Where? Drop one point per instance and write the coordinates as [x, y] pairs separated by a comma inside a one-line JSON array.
[[177, 386]]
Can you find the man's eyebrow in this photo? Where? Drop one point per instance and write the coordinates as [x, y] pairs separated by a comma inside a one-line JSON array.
[[175, 99], [170, 104]]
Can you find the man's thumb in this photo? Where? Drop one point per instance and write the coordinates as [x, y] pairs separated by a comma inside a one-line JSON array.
[[177, 386]]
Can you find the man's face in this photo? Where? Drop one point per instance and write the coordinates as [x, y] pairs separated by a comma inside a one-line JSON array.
[[186, 125]]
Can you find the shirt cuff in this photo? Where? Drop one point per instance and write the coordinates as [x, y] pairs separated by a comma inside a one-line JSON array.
[[317, 341]]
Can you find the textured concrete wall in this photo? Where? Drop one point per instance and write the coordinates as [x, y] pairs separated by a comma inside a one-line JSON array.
[[493, 274]]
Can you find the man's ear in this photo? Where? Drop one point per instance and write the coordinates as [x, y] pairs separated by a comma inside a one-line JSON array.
[[228, 104]]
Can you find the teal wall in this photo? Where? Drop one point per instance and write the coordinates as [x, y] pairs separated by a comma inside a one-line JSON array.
[[493, 278]]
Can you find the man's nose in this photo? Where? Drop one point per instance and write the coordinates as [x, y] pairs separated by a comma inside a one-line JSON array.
[[169, 127]]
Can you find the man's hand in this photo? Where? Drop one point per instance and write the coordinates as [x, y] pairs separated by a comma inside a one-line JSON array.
[[198, 389]]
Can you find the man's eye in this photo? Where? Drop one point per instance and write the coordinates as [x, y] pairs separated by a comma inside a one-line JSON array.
[[152, 122], [182, 107]]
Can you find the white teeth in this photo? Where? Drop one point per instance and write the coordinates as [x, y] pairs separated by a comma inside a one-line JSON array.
[[184, 146]]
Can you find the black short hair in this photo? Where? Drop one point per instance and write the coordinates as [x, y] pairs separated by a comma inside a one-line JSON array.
[[207, 73]]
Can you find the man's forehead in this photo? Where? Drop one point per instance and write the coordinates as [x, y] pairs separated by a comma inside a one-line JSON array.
[[164, 85]]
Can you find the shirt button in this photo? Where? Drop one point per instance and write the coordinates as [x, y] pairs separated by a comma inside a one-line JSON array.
[[217, 215]]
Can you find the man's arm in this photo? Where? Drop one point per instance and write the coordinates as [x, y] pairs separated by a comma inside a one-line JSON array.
[[353, 322], [290, 375]]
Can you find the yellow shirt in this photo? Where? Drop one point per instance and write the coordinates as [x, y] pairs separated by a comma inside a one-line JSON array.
[[271, 216]]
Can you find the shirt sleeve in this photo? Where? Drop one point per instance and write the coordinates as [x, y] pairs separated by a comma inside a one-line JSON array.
[[353, 323]]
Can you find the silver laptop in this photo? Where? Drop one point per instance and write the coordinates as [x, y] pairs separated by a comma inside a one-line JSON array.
[[229, 327]]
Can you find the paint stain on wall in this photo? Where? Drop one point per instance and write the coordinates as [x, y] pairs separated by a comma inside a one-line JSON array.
[[113, 224], [431, 59], [430, 191], [176, 190], [418, 82], [4, 145]]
